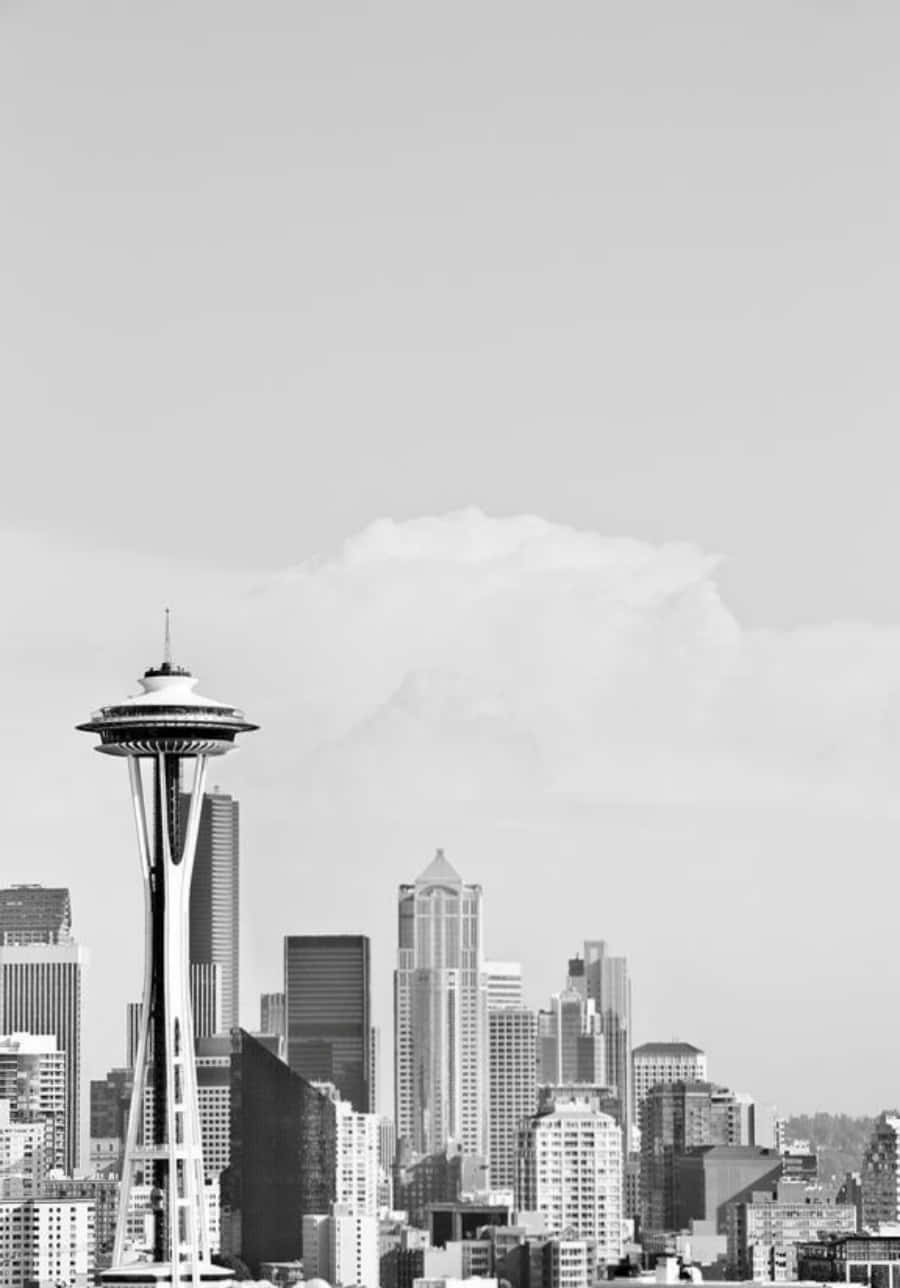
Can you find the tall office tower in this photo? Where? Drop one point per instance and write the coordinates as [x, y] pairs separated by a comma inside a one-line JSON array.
[[271, 1013], [504, 985], [880, 1178], [570, 1168], [664, 1062], [33, 1081], [341, 1248], [571, 1044], [608, 985], [168, 724], [512, 1065], [678, 1117], [35, 914], [215, 891], [440, 1013], [327, 1010], [41, 992]]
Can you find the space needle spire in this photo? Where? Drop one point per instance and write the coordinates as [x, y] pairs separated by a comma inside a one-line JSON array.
[[159, 732]]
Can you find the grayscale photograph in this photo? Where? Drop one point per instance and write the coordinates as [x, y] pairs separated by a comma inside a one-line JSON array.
[[450, 474]]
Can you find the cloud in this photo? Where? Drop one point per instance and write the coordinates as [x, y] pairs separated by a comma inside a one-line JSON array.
[[468, 657]]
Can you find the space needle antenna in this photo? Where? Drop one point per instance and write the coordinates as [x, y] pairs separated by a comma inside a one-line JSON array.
[[167, 640]]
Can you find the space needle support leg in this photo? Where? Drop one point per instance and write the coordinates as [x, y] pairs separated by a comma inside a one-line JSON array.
[[186, 1196], [136, 1108], [198, 1217]]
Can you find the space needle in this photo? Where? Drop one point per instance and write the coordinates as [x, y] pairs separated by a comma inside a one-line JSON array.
[[164, 726]]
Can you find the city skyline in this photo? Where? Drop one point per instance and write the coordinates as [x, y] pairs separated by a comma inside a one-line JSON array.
[[558, 415], [500, 403], [486, 824]]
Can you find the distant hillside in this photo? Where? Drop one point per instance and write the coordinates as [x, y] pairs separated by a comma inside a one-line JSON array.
[[838, 1139]]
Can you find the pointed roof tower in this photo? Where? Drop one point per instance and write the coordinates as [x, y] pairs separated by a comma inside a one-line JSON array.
[[439, 872]]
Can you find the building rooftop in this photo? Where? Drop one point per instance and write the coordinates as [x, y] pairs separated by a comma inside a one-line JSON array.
[[439, 871], [667, 1048]]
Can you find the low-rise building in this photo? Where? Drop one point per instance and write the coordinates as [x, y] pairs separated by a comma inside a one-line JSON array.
[[766, 1229], [850, 1258], [46, 1241]]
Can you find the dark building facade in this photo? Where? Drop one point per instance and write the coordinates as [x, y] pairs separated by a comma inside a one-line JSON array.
[[282, 1158], [214, 911], [110, 1102], [327, 1011], [676, 1118], [35, 914], [709, 1178]]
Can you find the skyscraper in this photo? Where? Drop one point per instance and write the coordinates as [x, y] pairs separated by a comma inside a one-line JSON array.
[[512, 1062], [41, 992], [215, 890], [664, 1062], [572, 1046], [440, 1013], [678, 1117], [327, 1012], [607, 983]]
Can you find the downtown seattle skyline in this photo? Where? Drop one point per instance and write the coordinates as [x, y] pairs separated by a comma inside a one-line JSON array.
[[507, 410]]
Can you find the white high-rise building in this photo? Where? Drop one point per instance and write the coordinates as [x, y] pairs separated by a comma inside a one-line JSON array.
[[26, 1154], [570, 1169], [512, 1061], [33, 1080], [341, 1248], [440, 1014], [667, 1063], [47, 1241], [357, 1147], [504, 985], [41, 992]]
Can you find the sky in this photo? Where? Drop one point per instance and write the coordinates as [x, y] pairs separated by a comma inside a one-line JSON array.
[[504, 399]]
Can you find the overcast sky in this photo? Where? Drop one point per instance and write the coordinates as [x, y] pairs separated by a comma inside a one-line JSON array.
[[273, 272]]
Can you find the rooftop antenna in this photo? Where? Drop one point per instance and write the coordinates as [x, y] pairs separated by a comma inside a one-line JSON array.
[[167, 644]]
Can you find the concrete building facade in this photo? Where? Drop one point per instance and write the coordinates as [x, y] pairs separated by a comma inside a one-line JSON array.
[[512, 1065], [570, 1170]]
